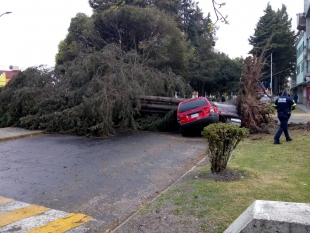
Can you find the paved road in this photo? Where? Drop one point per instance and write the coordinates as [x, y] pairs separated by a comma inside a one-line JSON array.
[[303, 108], [106, 179], [300, 115]]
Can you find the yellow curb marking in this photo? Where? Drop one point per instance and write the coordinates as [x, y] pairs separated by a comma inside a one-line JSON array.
[[62, 224], [4, 200], [18, 214]]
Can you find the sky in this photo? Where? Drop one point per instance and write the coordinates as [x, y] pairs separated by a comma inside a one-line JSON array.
[[243, 15], [31, 33]]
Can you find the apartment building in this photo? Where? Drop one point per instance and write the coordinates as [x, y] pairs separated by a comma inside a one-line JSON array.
[[301, 85]]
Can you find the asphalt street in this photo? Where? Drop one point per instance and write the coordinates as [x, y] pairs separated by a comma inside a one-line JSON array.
[[107, 179]]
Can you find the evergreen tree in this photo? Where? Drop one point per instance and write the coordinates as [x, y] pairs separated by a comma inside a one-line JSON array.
[[198, 67], [229, 73], [148, 31], [282, 46], [201, 71]]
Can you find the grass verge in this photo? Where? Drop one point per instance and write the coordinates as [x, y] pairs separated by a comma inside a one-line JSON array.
[[270, 172]]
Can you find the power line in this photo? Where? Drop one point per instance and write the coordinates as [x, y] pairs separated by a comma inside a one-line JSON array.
[[267, 76]]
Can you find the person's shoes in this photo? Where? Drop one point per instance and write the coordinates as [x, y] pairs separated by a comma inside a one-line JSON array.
[[277, 142], [289, 139]]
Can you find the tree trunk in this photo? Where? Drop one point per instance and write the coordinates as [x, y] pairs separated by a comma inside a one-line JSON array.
[[255, 116]]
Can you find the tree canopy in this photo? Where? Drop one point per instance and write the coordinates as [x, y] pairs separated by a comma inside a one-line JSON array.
[[281, 47]]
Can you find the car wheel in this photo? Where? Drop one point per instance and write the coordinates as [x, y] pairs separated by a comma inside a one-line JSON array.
[[184, 133], [222, 119]]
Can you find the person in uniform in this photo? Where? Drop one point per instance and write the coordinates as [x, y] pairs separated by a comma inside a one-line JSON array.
[[284, 105], [296, 98], [223, 98]]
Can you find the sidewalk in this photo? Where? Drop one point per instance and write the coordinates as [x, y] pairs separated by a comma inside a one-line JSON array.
[[13, 133], [303, 107], [301, 115]]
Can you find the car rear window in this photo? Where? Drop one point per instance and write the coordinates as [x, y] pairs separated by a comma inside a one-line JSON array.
[[192, 105]]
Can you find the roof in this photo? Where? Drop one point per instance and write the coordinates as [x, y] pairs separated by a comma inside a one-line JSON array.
[[9, 73], [303, 84]]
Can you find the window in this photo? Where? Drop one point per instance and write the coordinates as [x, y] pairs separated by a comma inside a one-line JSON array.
[[298, 70], [300, 49], [192, 104]]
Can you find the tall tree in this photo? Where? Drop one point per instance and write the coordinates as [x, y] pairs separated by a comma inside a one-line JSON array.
[[189, 19], [201, 71], [281, 47], [148, 31], [229, 73]]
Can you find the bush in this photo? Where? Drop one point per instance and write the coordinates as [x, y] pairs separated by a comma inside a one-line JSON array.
[[223, 139]]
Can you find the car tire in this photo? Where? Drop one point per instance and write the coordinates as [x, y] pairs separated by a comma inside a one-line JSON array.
[[222, 119], [184, 133]]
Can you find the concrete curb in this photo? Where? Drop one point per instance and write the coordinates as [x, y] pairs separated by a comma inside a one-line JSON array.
[[11, 133], [272, 216]]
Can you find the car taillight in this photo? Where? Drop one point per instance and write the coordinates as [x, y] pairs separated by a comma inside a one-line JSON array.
[[211, 109]]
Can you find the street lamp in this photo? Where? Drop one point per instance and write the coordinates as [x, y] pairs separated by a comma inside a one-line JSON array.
[[8, 12]]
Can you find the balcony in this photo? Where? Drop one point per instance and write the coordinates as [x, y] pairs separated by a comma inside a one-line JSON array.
[[301, 21]]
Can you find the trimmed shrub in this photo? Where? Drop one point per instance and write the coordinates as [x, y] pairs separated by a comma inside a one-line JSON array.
[[223, 139]]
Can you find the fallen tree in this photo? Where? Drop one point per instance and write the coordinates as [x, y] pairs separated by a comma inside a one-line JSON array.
[[92, 96], [255, 116]]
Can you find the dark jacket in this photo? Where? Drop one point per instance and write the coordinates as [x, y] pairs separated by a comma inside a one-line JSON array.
[[284, 104]]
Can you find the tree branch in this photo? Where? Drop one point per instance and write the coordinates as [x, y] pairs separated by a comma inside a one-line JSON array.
[[218, 14]]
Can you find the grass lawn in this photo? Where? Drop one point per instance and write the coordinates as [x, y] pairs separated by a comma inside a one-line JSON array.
[[270, 172]]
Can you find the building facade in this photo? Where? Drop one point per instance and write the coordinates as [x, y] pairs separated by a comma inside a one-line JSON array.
[[6, 75], [301, 85]]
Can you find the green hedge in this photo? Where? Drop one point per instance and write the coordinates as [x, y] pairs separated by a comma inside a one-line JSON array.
[[223, 139]]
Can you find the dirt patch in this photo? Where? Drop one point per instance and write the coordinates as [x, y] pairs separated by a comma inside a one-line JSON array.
[[256, 136], [293, 126], [161, 220], [226, 176], [273, 128]]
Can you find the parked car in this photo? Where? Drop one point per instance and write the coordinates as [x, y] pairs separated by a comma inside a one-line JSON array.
[[195, 114]]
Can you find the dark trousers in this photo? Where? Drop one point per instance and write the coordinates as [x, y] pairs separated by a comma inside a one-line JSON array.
[[283, 117]]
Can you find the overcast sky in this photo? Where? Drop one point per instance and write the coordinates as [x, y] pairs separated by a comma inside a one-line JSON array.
[[243, 15], [31, 34]]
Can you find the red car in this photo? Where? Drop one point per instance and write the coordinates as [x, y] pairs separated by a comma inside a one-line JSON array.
[[197, 113]]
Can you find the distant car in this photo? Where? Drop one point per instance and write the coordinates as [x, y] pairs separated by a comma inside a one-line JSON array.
[[265, 99], [194, 114]]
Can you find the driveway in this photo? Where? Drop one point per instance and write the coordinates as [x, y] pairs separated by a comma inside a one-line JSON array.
[[107, 179]]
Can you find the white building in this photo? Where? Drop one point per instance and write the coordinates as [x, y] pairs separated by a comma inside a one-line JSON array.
[[301, 85]]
